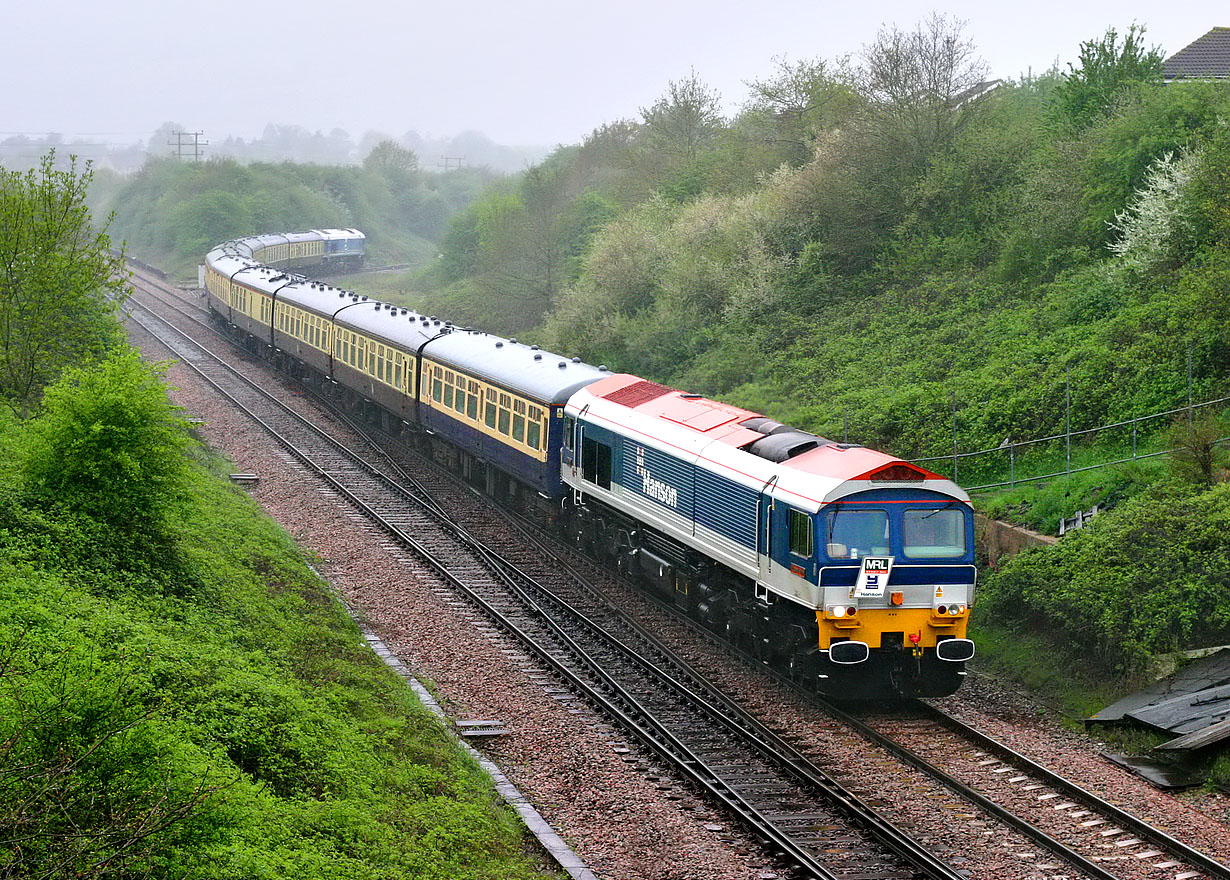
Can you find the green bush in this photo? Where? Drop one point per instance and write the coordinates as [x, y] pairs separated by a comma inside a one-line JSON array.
[[219, 716], [1150, 576]]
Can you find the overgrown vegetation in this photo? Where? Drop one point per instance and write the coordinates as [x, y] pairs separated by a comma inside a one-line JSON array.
[[180, 694], [873, 240]]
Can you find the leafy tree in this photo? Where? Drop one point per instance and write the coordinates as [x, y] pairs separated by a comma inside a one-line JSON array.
[[921, 87], [679, 126], [920, 90], [1152, 225], [800, 101], [1108, 73], [110, 445], [1196, 457], [388, 156], [60, 282]]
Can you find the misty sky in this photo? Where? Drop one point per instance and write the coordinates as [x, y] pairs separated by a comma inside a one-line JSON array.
[[534, 72]]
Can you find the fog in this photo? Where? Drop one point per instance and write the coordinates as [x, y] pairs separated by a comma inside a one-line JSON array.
[[509, 79]]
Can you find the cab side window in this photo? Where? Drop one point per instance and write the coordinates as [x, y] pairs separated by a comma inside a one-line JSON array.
[[802, 540], [596, 462]]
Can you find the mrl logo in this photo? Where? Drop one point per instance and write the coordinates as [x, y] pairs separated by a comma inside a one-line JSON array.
[[655, 489], [873, 577]]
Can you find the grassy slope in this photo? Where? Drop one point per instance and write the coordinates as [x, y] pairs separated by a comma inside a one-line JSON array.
[[241, 675]]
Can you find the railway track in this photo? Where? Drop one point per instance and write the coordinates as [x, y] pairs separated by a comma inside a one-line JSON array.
[[669, 708], [817, 826], [990, 773]]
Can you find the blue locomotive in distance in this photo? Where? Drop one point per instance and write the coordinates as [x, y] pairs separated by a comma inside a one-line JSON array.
[[849, 567]]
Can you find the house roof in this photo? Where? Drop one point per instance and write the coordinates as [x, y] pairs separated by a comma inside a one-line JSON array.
[[1205, 58]]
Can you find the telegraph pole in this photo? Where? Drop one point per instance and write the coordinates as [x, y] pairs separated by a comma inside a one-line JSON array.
[[182, 146]]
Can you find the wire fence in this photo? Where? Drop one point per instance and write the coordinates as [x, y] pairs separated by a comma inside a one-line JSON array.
[[1043, 451]]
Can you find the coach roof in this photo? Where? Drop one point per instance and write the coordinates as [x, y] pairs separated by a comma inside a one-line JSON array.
[[525, 369], [403, 328]]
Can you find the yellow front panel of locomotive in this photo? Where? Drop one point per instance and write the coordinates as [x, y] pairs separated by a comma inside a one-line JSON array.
[[868, 624]]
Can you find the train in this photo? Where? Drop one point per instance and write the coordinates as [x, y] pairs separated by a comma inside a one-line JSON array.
[[849, 569]]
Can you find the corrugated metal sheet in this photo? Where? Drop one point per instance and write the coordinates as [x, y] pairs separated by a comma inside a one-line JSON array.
[[726, 507], [662, 478]]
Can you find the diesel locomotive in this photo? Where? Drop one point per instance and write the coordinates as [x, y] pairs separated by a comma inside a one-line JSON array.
[[849, 567]]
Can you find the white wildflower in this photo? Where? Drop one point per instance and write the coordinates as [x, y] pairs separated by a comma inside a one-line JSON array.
[[1152, 221]]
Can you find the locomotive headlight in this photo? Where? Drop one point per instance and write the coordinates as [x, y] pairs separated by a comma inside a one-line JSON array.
[[837, 611], [851, 611], [943, 609]]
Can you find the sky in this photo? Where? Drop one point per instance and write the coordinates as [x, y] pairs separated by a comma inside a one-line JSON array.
[[523, 72]]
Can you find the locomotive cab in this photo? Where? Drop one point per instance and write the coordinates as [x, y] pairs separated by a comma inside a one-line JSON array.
[[897, 573]]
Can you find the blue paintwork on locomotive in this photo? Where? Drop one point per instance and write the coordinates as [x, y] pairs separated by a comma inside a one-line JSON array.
[[692, 491]]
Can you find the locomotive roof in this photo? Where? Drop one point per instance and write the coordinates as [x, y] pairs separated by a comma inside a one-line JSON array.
[[525, 369], [716, 435]]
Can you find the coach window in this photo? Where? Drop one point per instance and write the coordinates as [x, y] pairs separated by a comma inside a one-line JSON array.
[[802, 542], [505, 413], [490, 413], [518, 421], [472, 400], [533, 429]]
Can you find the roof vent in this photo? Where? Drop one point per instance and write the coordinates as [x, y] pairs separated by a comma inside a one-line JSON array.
[[533, 348], [538, 356], [499, 345], [576, 360], [602, 368], [784, 445], [513, 340], [563, 365]]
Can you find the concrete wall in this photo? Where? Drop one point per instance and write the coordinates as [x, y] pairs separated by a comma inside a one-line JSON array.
[[998, 540]]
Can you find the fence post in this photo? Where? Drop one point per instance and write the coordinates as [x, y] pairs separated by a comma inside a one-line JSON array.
[[1012, 465], [954, 437], [1189, 388], [1068, 430]]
